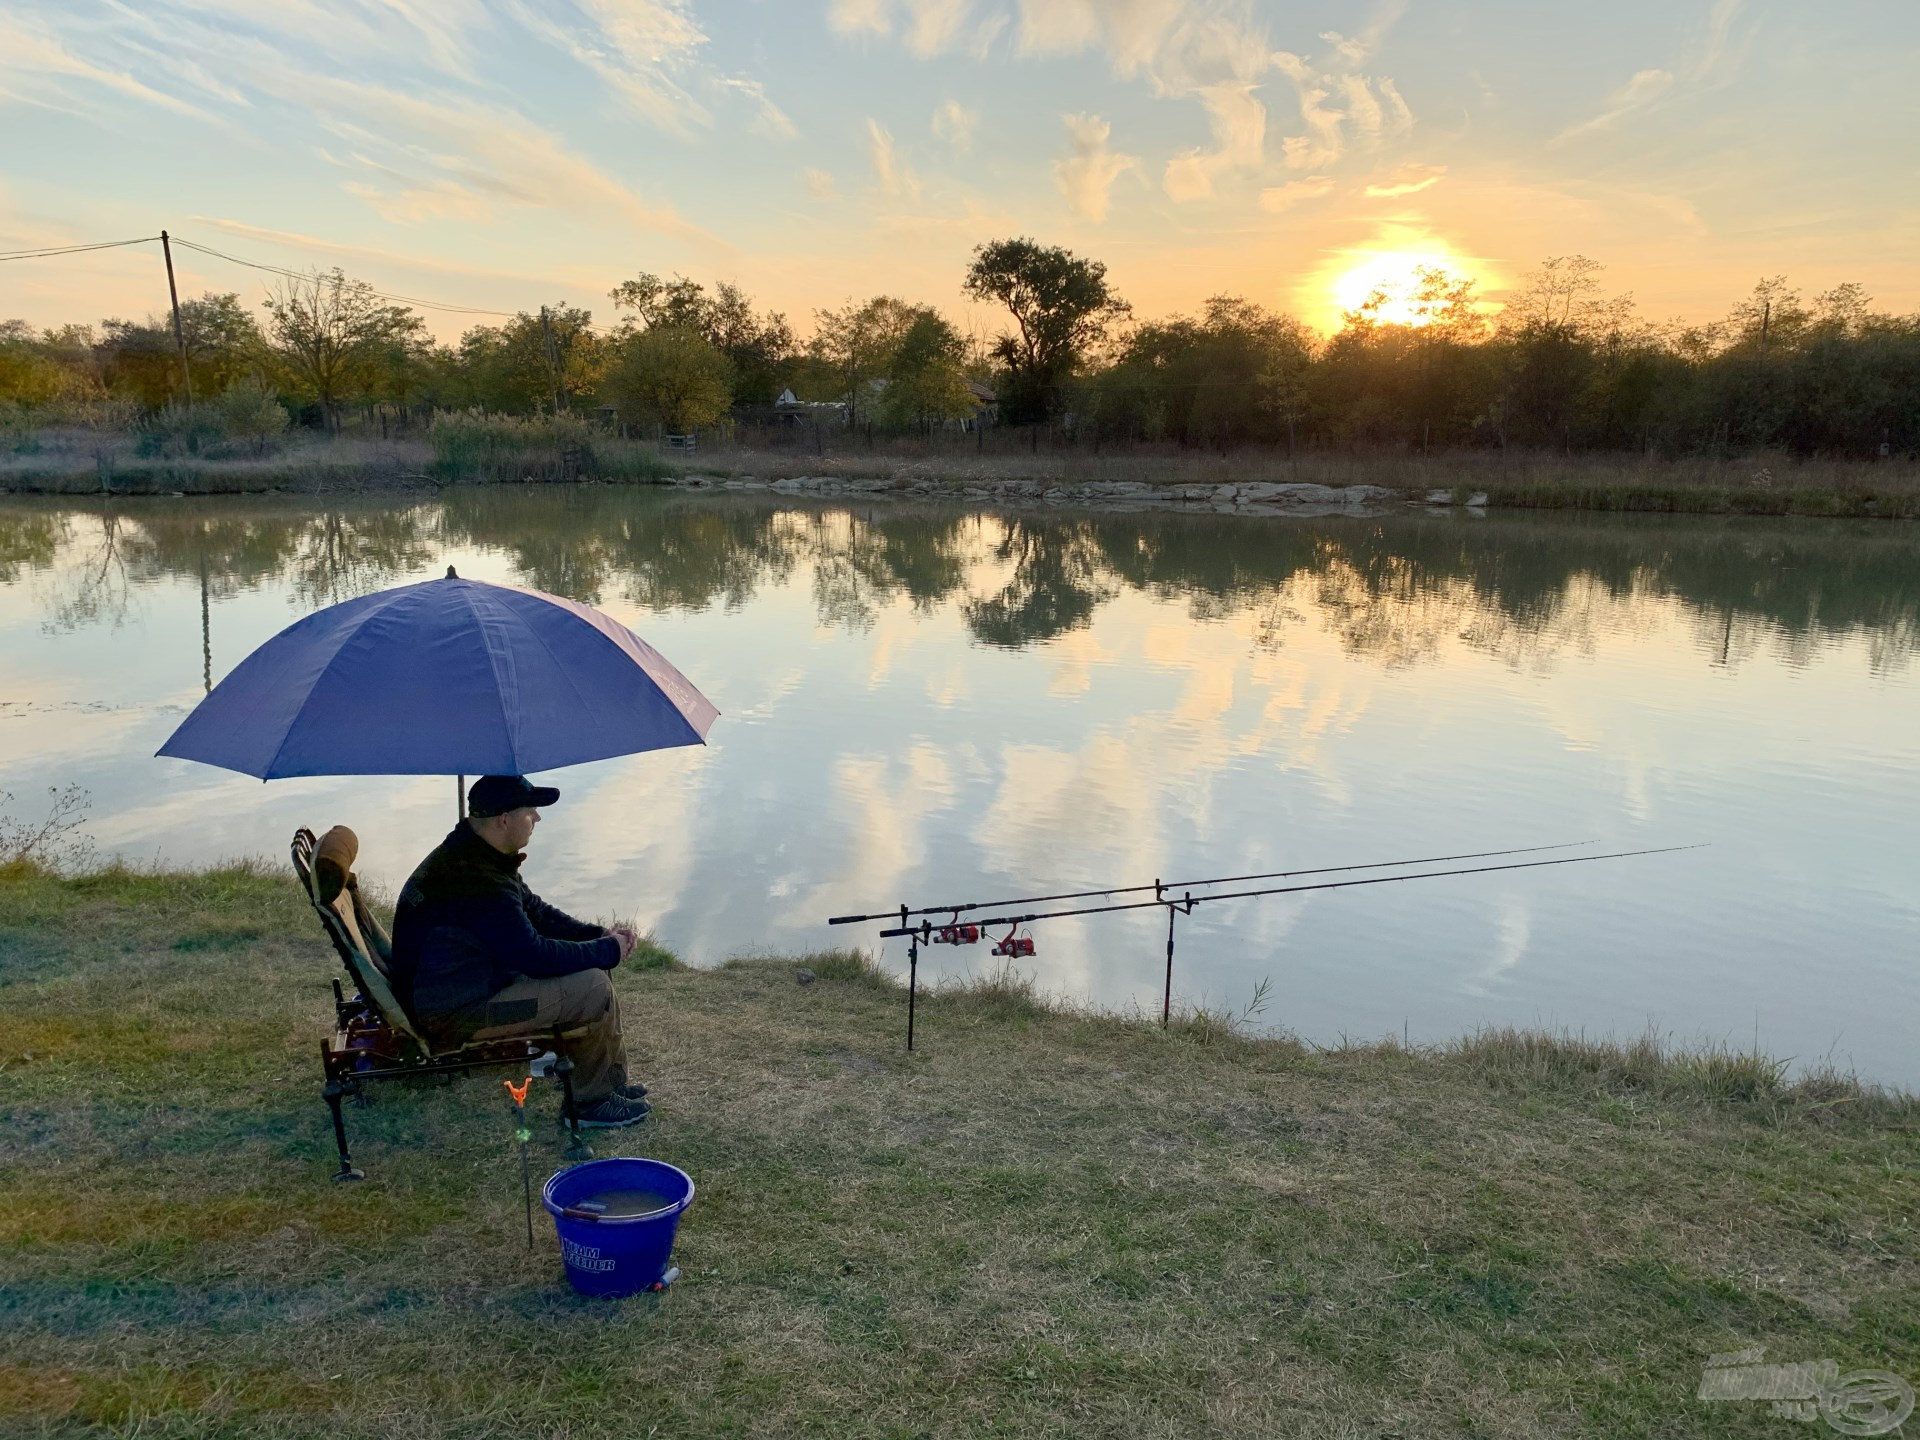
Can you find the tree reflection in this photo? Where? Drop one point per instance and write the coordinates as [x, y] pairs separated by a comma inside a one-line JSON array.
[[1522, 589]]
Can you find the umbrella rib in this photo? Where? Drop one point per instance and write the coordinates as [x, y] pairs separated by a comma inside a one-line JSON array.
[[572, 684], [506, 719]]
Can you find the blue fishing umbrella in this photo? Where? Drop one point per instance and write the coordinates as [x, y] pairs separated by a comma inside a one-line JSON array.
[[447, 677]]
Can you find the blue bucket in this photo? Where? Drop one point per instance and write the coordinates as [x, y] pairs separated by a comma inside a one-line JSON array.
[[617, 1253]]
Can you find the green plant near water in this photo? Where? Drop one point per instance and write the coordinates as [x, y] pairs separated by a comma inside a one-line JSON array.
[[1046, 1222], [471, 446]]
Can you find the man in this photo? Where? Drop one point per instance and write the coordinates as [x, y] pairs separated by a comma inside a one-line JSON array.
[[479, 956]]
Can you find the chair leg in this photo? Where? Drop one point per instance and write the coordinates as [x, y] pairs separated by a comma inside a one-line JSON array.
[[333, 1091], [577, 1147]]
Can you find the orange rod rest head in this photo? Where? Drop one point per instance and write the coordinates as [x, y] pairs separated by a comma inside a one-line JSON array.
[[519, 1092]]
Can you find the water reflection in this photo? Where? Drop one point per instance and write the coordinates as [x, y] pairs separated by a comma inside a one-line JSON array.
[[924, 700], [1524, 590]]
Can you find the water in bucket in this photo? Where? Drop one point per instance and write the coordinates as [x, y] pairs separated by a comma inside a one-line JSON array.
[[616, 1220]]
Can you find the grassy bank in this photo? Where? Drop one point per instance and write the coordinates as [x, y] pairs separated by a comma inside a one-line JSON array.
[[1766, 485], [1043, 1224], [457, 449], [487, 450]]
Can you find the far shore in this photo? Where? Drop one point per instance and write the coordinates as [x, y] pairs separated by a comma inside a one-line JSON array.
[[1249, 481]]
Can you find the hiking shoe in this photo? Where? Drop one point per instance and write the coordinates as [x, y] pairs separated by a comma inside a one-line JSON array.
[[612, 1113], [635, 1091]]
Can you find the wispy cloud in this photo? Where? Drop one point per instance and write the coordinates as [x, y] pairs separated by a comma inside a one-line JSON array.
[[1408, 180], [1721, 46], [639, 49], [769, 119], [1642, 90], [1277, 198], [464, 159], [293, 249], [35, 66], [1239, 124], [1086, 175], [927, 27], [1339, 105], [820, 184], [1356, 50], [890, 172], [954, 124]]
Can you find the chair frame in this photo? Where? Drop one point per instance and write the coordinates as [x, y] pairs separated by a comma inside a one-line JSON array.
[[374, 1039]]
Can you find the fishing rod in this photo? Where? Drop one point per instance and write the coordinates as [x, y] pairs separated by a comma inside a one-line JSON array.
[[1159, 886], [1014, 944]]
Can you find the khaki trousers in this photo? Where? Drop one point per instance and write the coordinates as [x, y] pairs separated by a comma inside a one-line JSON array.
[[583, 1003]]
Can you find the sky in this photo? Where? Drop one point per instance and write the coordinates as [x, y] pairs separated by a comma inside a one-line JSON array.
[[503, 154]]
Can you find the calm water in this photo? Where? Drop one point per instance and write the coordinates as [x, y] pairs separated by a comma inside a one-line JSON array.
[[940, 704]]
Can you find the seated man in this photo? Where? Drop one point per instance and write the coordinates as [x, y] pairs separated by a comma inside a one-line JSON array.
[[479, 956]]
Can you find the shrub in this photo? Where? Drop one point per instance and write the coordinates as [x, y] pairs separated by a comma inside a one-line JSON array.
[[471, 446], [250, 415], [178, 430]]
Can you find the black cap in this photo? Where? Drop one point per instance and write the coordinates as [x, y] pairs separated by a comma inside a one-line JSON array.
[[497, 794]]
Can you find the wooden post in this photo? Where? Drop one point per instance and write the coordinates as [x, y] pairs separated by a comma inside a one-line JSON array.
[[179, 334]]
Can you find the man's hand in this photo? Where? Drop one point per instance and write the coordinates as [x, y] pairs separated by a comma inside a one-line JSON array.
[[627, 938]]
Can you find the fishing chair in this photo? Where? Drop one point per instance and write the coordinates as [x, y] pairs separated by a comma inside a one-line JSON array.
[[374, 1038]]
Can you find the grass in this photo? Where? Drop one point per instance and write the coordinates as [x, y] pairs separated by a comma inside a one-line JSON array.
[[464, 449], [458, 449], [1046, 1222]]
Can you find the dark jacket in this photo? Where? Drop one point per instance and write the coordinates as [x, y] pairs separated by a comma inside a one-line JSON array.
[[467, 927]]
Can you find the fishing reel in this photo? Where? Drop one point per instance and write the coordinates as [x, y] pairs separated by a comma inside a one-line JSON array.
[[1014, 946], [956, 935]]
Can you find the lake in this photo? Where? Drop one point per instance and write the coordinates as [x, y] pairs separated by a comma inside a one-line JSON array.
[[929, 704]]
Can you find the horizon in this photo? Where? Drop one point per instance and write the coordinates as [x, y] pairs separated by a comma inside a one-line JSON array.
[[503, 156]]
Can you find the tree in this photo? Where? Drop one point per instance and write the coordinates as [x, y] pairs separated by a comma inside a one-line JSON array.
[[672, 377], [857, 343], [331, 334], [925, 380], [1062, 308], [759, 348], [29, 372]]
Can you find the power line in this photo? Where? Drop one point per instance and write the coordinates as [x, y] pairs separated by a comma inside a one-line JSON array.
[[51, 250], [297, 275]]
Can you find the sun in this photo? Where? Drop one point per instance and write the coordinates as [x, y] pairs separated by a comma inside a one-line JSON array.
[[1391, 264]]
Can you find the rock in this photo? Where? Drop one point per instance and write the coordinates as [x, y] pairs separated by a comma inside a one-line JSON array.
[[804, 975], [1477, 500], [1367, 494], [1305, 492], [1226, 492], [1439, 497]]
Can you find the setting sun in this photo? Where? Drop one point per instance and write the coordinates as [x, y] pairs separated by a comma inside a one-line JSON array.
[[1390, 264]]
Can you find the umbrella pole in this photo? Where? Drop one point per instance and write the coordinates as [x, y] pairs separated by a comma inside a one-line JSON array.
[[459, 797]]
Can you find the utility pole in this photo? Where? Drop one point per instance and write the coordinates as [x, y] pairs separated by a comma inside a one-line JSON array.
[[553, 358], [179, 335]]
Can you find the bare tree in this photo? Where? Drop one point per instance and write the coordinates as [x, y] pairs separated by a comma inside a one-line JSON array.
[[332, 334]]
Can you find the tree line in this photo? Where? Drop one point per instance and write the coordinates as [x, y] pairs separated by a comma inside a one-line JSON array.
[[1564, 365]]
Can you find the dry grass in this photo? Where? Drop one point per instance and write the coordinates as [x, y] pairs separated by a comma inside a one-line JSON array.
[[1045, 1222], [88, 462]]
